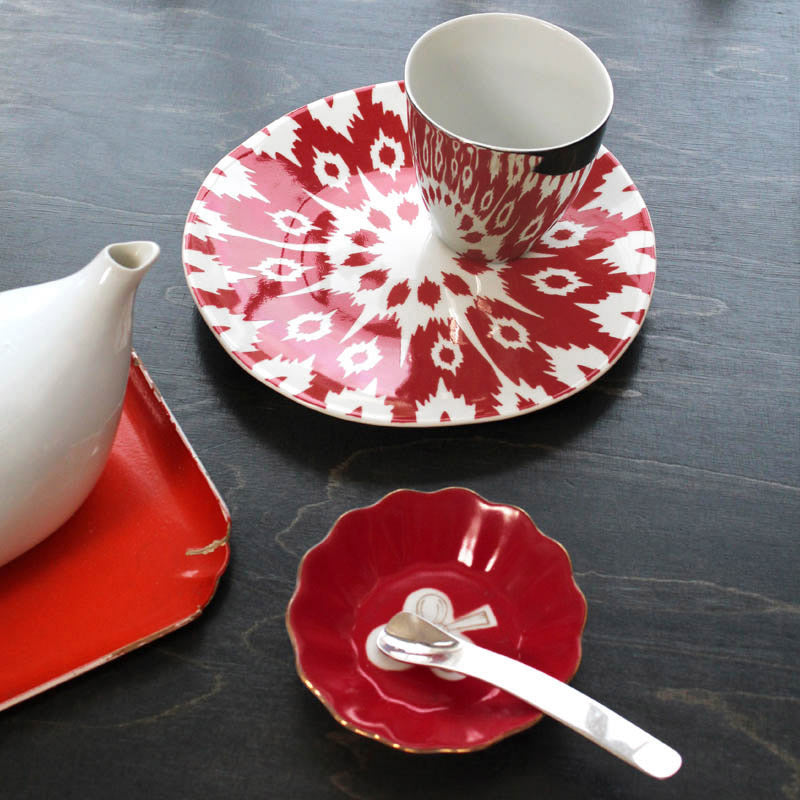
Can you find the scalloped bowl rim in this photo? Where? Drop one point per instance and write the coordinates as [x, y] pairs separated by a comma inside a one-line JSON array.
[[328, 700]]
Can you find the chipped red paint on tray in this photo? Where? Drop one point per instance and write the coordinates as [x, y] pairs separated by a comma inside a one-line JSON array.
[[141, 557]]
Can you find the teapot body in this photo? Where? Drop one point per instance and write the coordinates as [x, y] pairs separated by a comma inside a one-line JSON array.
[[64, 360]]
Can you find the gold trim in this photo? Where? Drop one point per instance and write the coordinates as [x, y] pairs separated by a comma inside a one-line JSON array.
[[211, 547], [375, 736]]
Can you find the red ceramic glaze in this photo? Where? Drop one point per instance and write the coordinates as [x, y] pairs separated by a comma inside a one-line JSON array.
[[497, 202], [141, 557], [477, 567], [311, 256]]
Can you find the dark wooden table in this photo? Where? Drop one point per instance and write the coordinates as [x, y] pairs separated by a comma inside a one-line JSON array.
[[673, 481]]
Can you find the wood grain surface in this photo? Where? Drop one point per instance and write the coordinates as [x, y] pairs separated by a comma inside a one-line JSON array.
[[673, 481]]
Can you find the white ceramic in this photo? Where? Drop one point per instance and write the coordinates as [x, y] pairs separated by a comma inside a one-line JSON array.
[[64, 359], [506, 114], [508, 82]]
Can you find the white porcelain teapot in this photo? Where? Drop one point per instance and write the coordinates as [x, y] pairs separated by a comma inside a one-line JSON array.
[[64, 359]]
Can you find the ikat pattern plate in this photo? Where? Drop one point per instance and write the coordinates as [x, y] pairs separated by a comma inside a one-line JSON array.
[[310, 255]]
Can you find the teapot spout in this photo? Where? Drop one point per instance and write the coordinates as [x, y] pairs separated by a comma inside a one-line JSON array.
[[135, 256], [117, 270]]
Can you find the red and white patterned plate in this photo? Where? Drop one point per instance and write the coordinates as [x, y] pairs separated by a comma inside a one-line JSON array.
[[310, 255]]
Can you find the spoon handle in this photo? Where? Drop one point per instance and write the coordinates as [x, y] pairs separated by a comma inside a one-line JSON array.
[[569, 706]]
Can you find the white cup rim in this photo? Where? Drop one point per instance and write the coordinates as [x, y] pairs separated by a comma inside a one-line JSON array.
[[528, 19]]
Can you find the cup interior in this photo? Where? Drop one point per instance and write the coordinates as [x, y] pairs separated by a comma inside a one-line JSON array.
[[508, 82]]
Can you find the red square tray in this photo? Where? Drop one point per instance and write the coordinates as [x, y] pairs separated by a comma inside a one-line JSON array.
[[140, 558]]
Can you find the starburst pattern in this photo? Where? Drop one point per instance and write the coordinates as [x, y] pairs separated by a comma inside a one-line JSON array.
[[359, 357], [447, 355], [565, 233], [387, 155], [280, 269], [554, 280], [331, 169], [309, 327], [292, 222], [385, 260], [510, 333], [309, 251]]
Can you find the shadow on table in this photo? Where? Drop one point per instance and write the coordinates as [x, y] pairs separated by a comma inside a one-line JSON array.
[[419, 457], [543, 761]]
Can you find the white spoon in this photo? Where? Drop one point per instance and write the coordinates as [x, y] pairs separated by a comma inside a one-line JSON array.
[[413, 640]]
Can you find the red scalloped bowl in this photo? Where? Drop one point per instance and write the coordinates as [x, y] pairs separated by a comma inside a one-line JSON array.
[[481, 568]]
